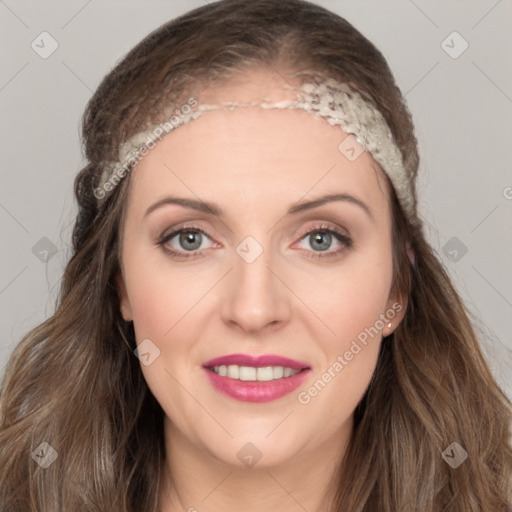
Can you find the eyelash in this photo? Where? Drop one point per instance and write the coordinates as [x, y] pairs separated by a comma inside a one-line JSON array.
[[344, 239]]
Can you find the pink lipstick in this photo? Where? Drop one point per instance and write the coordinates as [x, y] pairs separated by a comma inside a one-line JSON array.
[[255, 378]]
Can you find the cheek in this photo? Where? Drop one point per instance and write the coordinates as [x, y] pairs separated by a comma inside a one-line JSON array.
[[160, 297], [151, 308], [351, 298], [350, 303], [162, 307], [351, 309]]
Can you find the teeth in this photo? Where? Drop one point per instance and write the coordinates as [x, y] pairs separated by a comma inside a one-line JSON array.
[[265, 373], [233, 371], [278, 372], [247, 373], [262, 373]]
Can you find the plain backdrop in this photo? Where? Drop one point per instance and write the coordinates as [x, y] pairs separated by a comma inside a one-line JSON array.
[[452, 60]]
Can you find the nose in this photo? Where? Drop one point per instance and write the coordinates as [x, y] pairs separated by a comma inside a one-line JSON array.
[[256, 296]]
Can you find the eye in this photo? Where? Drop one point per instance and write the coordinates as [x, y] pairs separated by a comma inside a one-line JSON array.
[[322, 237], [188, 239]]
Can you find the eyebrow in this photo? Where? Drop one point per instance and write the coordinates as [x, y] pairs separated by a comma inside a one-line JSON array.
[[213, 209]]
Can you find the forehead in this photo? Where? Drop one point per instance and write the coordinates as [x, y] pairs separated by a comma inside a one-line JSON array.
[[273, 154]]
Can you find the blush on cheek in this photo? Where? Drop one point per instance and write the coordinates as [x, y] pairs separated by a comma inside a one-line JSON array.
[[354, 312], [152, 315]]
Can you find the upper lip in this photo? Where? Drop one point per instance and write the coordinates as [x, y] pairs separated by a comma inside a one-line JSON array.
[[256, 361]]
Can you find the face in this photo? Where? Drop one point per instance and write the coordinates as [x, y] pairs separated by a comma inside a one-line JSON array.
[[264, 270]]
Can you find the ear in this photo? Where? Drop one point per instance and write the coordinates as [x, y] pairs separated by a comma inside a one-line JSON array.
[[124, 303], [395, 312]]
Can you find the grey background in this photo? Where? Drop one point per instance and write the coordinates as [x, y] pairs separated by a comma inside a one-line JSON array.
[[461, 102]]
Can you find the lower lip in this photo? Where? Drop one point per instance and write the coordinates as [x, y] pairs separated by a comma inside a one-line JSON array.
[[256, 391]]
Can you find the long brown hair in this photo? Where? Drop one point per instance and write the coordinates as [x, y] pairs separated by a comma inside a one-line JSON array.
[[75, 383]]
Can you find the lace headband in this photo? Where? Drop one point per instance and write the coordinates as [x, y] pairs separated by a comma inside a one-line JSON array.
[[336, 102]]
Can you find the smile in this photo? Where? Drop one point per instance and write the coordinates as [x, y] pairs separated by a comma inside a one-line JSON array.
[[257, 379]]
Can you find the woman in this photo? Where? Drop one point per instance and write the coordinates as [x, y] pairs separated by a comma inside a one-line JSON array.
[[252, 317]]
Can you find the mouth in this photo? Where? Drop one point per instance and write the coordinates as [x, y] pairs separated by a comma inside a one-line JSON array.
[[255, 379]]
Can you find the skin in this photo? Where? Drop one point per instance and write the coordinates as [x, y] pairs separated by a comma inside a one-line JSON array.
[[254, 164]]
